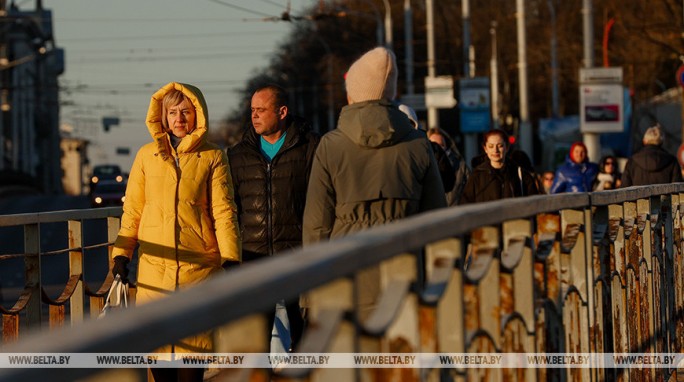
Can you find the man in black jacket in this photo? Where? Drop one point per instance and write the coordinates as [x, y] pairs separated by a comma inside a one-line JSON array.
[[652, 164], [270, 169]]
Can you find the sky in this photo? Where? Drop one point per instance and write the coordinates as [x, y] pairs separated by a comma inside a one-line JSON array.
[[119, 52]]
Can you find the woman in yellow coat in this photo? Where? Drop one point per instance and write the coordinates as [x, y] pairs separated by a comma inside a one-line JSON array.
[[179, 206]]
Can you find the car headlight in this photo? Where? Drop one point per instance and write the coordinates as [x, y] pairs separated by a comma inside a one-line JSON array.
[[123, 198], [98, 200], [119, 178], [94, 179]]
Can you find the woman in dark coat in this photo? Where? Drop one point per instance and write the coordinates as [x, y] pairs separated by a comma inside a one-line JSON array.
[[497, 177], [608, 177]]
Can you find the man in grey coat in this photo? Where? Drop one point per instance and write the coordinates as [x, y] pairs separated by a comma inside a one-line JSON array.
[[374, 168]]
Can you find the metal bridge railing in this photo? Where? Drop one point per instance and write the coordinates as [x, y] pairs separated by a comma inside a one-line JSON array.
[[569, 273], [27, 313]]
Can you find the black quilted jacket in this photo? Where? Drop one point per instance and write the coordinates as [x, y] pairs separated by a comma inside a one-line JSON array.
[[270, 196]]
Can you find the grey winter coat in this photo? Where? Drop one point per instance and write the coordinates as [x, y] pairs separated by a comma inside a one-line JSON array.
[[373, 169]]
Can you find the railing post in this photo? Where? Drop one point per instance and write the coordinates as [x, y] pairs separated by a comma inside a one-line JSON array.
[[113, 225], [574, 303], [32, 272], [448, 314], [403, 334], [76, 302], [604, 230], [337, 294], [482, 299], [667, 216], [517, 294]]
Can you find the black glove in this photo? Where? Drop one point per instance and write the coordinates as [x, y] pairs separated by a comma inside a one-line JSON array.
[[230, 264], [121, 268]]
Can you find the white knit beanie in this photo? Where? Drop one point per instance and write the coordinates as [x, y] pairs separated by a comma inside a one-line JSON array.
[[373, 76]]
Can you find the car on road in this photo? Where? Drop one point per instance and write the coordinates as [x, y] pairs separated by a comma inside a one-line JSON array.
[[108, 193], [106, 172]]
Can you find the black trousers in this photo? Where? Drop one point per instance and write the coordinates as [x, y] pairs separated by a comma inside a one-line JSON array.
[[178, 375]]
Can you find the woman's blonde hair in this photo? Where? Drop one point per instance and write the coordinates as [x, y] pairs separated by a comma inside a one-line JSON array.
[[172, 98]]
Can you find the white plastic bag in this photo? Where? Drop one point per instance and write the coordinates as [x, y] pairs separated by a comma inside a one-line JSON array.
[[280, 334], [117, 297]]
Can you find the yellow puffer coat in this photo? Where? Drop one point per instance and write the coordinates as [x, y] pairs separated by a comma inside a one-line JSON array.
[[179, 207]]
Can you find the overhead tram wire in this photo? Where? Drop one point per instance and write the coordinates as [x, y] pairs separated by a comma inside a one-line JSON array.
[[160, 37], [239, 8], [272, 3], [99, 60]]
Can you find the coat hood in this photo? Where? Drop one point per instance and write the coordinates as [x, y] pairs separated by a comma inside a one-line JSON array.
[[373, 124], [653, 158], [154, 118]]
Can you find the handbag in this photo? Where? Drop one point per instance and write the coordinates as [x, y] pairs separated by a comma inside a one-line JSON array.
[[117, 297]]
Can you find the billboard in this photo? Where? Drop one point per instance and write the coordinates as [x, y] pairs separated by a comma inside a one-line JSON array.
[[601, 100], [474, 101]]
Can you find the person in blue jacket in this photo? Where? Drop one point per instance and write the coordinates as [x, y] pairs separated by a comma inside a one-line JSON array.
[[577, 174]]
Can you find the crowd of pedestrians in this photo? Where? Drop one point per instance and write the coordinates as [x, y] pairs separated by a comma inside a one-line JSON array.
[[194, 210]]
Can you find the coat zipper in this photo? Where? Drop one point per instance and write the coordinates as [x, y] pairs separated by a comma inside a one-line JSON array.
[[177, 225]]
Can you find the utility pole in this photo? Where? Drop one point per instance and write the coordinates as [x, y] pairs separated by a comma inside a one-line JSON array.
[[494, 81], [408, 36], [433, 115], [465, 11], [525, 129], [591, 140], [469, 139]]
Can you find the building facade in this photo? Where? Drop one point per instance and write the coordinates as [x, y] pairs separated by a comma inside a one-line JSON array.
[[29, 97]]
